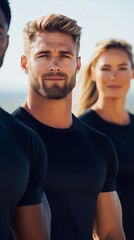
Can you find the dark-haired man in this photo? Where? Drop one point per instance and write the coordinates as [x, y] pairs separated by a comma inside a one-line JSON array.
[[23, 161], [5, 19]]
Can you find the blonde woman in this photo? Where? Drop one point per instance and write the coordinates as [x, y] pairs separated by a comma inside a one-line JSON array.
[[102, 106]]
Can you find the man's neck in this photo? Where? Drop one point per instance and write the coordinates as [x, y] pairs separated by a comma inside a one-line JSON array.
[[53, 113]]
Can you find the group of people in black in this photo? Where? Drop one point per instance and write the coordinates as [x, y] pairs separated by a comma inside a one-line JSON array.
[[66, 176]]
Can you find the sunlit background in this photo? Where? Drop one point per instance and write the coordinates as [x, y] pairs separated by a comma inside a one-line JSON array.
[[100, 19]]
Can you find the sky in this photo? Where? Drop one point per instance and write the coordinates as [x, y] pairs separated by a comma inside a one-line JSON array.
[[99, 19]]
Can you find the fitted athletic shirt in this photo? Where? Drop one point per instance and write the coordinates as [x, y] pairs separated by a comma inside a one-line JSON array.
[[81, 163], [22, 169], [123, 139]]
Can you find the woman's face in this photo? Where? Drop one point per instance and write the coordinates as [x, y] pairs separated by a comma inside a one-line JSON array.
[[112, 73]]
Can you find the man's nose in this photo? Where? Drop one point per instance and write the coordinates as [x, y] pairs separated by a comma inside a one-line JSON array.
[[55, 65]]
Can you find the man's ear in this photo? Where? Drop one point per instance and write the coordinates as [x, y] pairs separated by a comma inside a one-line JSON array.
[[24, 65], [78, 64]]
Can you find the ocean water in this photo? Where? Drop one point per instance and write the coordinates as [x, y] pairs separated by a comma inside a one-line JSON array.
[[11, 100]]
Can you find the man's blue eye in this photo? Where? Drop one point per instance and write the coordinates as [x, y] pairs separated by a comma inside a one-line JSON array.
[[105, 69]]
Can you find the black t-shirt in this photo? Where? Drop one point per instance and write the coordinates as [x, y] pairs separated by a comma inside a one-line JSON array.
[[81, 163], [123, 139], [22, 169]]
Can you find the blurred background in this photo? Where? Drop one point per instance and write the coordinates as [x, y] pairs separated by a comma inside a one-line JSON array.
[[99, 20]]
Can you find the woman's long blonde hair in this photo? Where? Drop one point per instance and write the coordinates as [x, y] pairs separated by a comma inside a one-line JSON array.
[[88, 92]]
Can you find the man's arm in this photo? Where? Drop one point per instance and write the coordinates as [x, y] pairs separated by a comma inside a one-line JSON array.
[[30, 223], [108, 217]]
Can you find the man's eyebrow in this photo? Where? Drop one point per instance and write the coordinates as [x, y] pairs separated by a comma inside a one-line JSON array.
[[123, 64], [1, 26], [43, 52], [66, 52], [60, 52]]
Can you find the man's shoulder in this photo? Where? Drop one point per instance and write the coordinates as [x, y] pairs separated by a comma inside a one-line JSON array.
[[23, 134], [21, 126], [91, 133], [18, 113], [86, 127], [26, 118], [21, 116]]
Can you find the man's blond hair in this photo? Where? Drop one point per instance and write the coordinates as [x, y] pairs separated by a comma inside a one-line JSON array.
[[51, 23]]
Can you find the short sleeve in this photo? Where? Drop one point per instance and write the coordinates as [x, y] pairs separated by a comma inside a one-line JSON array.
[[112, 167], [38, 168]]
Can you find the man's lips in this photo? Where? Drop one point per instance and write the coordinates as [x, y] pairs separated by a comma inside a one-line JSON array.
[[54, 78]]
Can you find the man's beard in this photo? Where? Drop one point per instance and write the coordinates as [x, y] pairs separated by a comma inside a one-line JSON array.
[[55, 91]]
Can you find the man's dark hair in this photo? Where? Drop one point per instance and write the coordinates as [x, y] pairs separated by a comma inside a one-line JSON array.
[[5, 7]]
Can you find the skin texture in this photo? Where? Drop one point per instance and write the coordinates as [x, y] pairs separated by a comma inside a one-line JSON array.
[[30, 222], [112, 74], [56, 58], [55, 53], [108, 223]]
